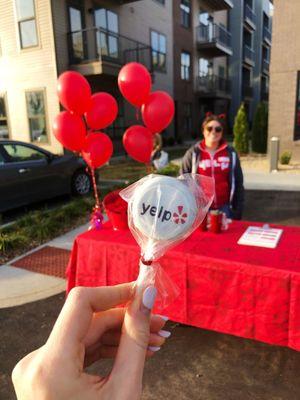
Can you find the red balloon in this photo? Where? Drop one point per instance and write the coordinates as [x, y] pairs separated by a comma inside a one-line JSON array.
[[97, 150], [103, 111], [158, 111], [138, 142], [69, 130], [134, 82], [74, 92]]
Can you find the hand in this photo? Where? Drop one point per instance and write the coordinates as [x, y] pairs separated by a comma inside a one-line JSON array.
[[88, 329]]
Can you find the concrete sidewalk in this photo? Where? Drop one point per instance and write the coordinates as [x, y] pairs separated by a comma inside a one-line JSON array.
[[19, 286]]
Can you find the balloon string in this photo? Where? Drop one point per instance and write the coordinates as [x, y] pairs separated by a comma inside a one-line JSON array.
[[95, 188]]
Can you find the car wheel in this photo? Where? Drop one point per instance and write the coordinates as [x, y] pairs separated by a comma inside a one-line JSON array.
[[81, 183]]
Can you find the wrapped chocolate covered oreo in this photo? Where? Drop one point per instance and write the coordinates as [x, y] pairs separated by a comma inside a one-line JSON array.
[[163, 211]]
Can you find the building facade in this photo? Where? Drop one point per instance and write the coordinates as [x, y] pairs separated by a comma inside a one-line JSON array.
[[284, 105], [250, 26], [41, 39]]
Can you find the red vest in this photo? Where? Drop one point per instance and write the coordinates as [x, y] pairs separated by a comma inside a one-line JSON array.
[[218, 168]]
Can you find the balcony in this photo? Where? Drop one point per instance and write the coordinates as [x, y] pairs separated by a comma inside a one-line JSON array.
[[265, 66], [247, 90], [213, 40], [217, 5], [267, 35], [249, 17], [97, 51], [213, 86], [248, 57]]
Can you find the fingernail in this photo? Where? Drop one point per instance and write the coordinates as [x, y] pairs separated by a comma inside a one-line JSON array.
[[164, 334], [163, 317], [149, 296], [153, 348]]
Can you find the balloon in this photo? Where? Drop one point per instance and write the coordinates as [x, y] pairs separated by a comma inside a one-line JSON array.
[[97, 150], [103, 111], [69, 130], [138, 142], [134, 83], [74, 92], [158, 111]]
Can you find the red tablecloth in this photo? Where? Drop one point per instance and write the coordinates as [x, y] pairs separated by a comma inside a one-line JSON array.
[[250, 292]]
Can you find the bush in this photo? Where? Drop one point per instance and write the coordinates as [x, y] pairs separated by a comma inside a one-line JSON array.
[[260, 129], [170, 170], [285, 157], [12, 241], [241, 131]]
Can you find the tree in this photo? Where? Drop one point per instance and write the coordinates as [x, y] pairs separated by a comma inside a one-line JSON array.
[[260, 129], [241, 131]]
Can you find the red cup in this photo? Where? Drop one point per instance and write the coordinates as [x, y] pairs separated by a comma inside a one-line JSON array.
[[116, 210], [215, 222], [203, 225]]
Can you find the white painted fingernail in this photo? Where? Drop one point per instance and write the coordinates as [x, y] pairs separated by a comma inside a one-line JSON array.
[[149, 296], [164, 334], [163, 317], [153, 348]]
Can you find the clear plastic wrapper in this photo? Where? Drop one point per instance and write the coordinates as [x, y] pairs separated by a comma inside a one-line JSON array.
[[162, 212]]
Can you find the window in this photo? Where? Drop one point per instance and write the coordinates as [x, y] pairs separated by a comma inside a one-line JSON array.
[[187, 118], [185, 66], [297, 113], [4, 129], [20, 153], [160, 1], [35, 103], [108, 34], [159, 50], [185, 13], [27, 23], [205, 67], [76, 35]]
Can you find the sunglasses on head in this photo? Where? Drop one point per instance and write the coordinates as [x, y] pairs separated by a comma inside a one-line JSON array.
[[217, 129]]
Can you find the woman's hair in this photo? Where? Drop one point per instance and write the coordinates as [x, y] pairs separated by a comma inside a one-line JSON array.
[[212, 117]]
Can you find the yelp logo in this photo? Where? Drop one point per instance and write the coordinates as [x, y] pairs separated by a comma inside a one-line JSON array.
[[162, 214]]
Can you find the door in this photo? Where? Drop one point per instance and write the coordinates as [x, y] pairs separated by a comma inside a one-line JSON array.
[[108, 33]]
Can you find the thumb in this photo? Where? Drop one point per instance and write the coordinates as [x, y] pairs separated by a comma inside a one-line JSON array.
[[129, 364]]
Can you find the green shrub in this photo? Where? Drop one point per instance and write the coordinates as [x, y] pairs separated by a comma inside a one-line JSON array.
[[170, 170], [12, 241], [241, 131], [285, 157], [260, 129]]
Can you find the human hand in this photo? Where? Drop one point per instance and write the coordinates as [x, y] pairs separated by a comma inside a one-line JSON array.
[[88, 329]]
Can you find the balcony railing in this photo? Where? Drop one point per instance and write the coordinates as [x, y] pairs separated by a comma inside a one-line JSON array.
[[96, 44], [247, 90], [213, 85], [267, 34], [213, 33], [265, 65], [248, 54], [249, 14], [218, 5]]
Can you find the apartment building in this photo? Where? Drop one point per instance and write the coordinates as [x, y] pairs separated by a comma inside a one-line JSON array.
[[42, 38], [284, 103], [250, 26]]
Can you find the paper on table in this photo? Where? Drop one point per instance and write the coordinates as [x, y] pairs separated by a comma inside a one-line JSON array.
[[261, 237]]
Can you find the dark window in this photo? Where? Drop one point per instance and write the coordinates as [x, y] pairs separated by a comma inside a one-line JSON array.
[[185, 13], [108, 34], [297, 114], [185, 66], [77, 39], [159, 51], [187, 118], [20, 153], [36, 113], [27, 23], [4, 129]]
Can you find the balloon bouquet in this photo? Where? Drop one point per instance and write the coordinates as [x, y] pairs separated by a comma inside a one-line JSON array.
[[157, 109], [78, 128]]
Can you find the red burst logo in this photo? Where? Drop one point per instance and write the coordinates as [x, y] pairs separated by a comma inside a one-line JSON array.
[[180, 216]]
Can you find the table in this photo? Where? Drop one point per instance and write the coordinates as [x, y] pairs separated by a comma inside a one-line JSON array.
[[250, 292]]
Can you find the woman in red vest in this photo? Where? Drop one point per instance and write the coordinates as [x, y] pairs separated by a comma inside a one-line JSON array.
[[214, 157]]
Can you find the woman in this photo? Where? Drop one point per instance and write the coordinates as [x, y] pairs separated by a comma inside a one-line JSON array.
[[214, 157]]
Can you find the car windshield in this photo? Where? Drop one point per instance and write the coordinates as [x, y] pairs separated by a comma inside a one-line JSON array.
[[17, 153]]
